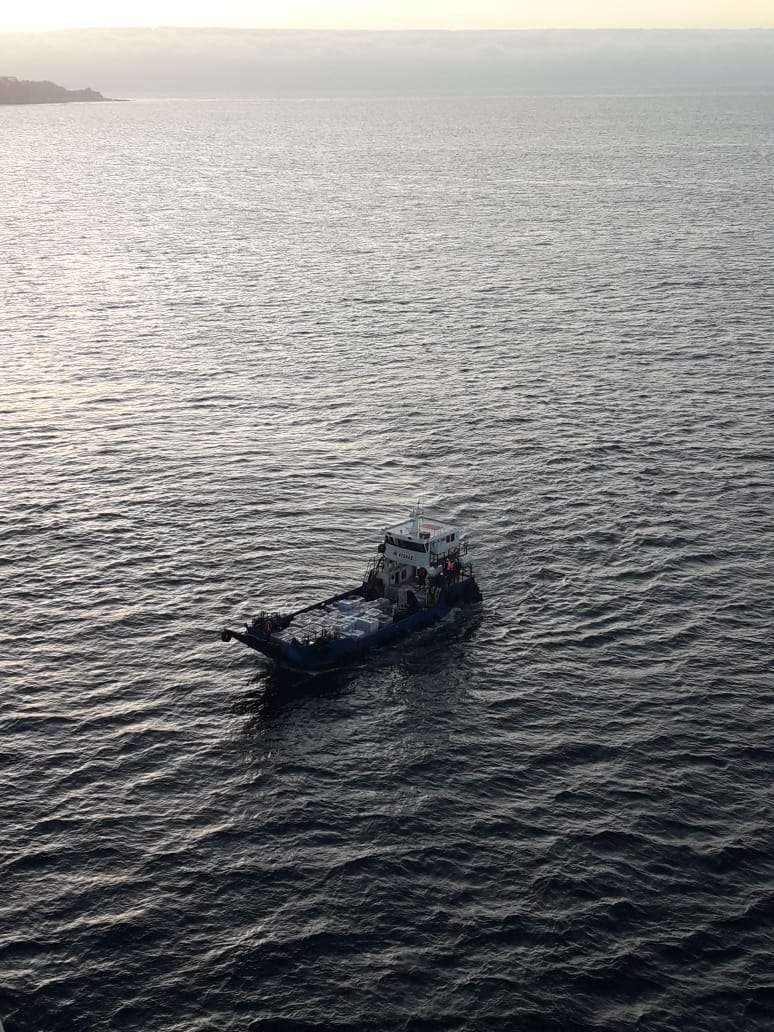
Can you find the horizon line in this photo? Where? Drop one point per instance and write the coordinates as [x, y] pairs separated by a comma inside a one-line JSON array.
[[386, 31]]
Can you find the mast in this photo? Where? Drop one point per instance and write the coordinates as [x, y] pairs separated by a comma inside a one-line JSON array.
[[415, 515]]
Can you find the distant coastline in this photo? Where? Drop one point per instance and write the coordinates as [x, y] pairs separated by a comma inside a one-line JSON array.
[[27, 91]]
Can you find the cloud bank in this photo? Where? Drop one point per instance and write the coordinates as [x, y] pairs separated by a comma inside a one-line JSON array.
[[170, 62]]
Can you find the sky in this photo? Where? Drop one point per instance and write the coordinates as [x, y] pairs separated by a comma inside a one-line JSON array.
[[249, 63], [37, 15]]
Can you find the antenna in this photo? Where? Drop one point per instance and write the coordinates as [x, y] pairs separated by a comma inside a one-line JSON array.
[[418, 509], [416, 512]]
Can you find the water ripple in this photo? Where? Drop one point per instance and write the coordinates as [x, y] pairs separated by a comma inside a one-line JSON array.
[[553, 813]]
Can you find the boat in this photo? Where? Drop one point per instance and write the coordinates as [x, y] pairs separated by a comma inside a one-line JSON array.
[[419, 574]]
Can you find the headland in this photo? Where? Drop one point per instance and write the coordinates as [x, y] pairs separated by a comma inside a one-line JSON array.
[[27, 91]]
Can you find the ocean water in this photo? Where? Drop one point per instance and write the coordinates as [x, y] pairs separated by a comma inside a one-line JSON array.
[[237, 339]]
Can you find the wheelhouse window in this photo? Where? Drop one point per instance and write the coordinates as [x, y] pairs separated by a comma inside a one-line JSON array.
[[410, 546]]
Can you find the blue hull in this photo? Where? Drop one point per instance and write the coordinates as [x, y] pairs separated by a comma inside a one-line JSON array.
[[321, 656]]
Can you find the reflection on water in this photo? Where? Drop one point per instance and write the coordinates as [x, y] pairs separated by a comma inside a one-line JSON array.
[[276, 689]]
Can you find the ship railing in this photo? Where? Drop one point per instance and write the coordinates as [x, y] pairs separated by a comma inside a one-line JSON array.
[[374, 565], [436, 558], [268, 623], [374, 568]]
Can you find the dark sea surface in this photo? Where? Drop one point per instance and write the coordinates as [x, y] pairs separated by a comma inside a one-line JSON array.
[[237, 339]]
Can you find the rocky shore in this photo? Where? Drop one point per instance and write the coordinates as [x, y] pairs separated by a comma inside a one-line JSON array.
[[25, 91]]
